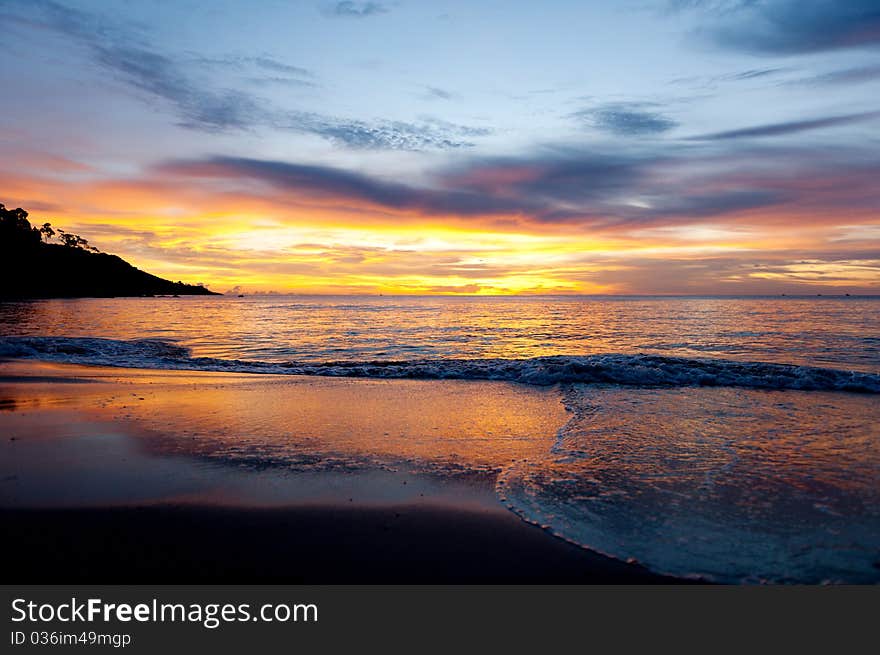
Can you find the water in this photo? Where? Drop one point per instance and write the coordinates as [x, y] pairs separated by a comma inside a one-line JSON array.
[[729, 485], [825, 332], [735, 439]]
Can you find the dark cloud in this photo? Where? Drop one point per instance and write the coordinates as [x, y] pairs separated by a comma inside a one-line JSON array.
[[325, 181], [348, 9], [790, 127], [627, 119], [754, 73], [707, 205], [559, 183], [791, 27], [595, 190], [561, 188]]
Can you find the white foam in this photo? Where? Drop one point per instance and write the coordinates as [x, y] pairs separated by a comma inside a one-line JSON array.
[[728, 485], [614, 368]]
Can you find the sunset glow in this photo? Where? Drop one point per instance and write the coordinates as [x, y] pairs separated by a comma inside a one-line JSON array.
[[701, 162]]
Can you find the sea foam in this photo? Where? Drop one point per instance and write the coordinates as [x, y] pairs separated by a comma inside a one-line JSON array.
[[728, 485], [613, 369]]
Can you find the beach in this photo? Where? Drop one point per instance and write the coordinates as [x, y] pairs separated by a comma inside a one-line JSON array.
[[135, 476], [442, 439]]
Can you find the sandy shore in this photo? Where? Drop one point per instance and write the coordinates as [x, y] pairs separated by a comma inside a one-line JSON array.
[[318, 545], [130, 476]]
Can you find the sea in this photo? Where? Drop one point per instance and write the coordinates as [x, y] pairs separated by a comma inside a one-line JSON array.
[[731, 439]]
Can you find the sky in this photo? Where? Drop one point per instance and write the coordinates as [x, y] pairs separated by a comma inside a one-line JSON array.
[[633, 147]]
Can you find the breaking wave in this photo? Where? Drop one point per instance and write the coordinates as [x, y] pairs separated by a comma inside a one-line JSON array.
[[726, 485], [615, 369]]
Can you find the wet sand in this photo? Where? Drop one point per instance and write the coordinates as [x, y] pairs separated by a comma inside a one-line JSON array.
[[318, 545], [132, 476]]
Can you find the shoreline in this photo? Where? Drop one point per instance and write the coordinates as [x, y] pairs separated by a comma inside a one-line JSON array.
[[298, 545], [133, 476]]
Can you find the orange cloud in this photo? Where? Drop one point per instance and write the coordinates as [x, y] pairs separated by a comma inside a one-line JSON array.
[[325, 231]]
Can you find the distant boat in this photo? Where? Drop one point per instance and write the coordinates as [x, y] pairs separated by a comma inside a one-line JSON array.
[[241, 295]]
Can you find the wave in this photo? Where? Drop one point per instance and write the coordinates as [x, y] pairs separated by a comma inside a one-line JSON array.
[[614, 368], [718, 484]]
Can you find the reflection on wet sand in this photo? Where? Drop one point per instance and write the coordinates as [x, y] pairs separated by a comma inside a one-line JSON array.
[[721, 483], [168, 435]]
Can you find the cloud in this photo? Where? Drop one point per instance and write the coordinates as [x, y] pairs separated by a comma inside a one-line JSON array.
[[382, 135], [753, 273], [160, 76], [127, 56], [717, 203], [789, 127], [753, 73], [260, 70], [855, 75], [716, 6], [448, 288], [263, 62], [556, 185], [201, 106], [349, 9], [627, 119], [584, 219], [792, 27], [280, 67], [601, 191], [329, 182], [433, 93], [711, 82]]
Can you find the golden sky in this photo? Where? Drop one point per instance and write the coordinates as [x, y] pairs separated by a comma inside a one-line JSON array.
[[331, 152]]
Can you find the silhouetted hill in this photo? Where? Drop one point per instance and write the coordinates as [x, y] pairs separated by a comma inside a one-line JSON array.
[[30, 268]]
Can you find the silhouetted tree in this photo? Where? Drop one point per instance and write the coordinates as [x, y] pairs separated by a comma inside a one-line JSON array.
[[47, 262], [15, 229], [68, 239], [16, 232], [47, 232]]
